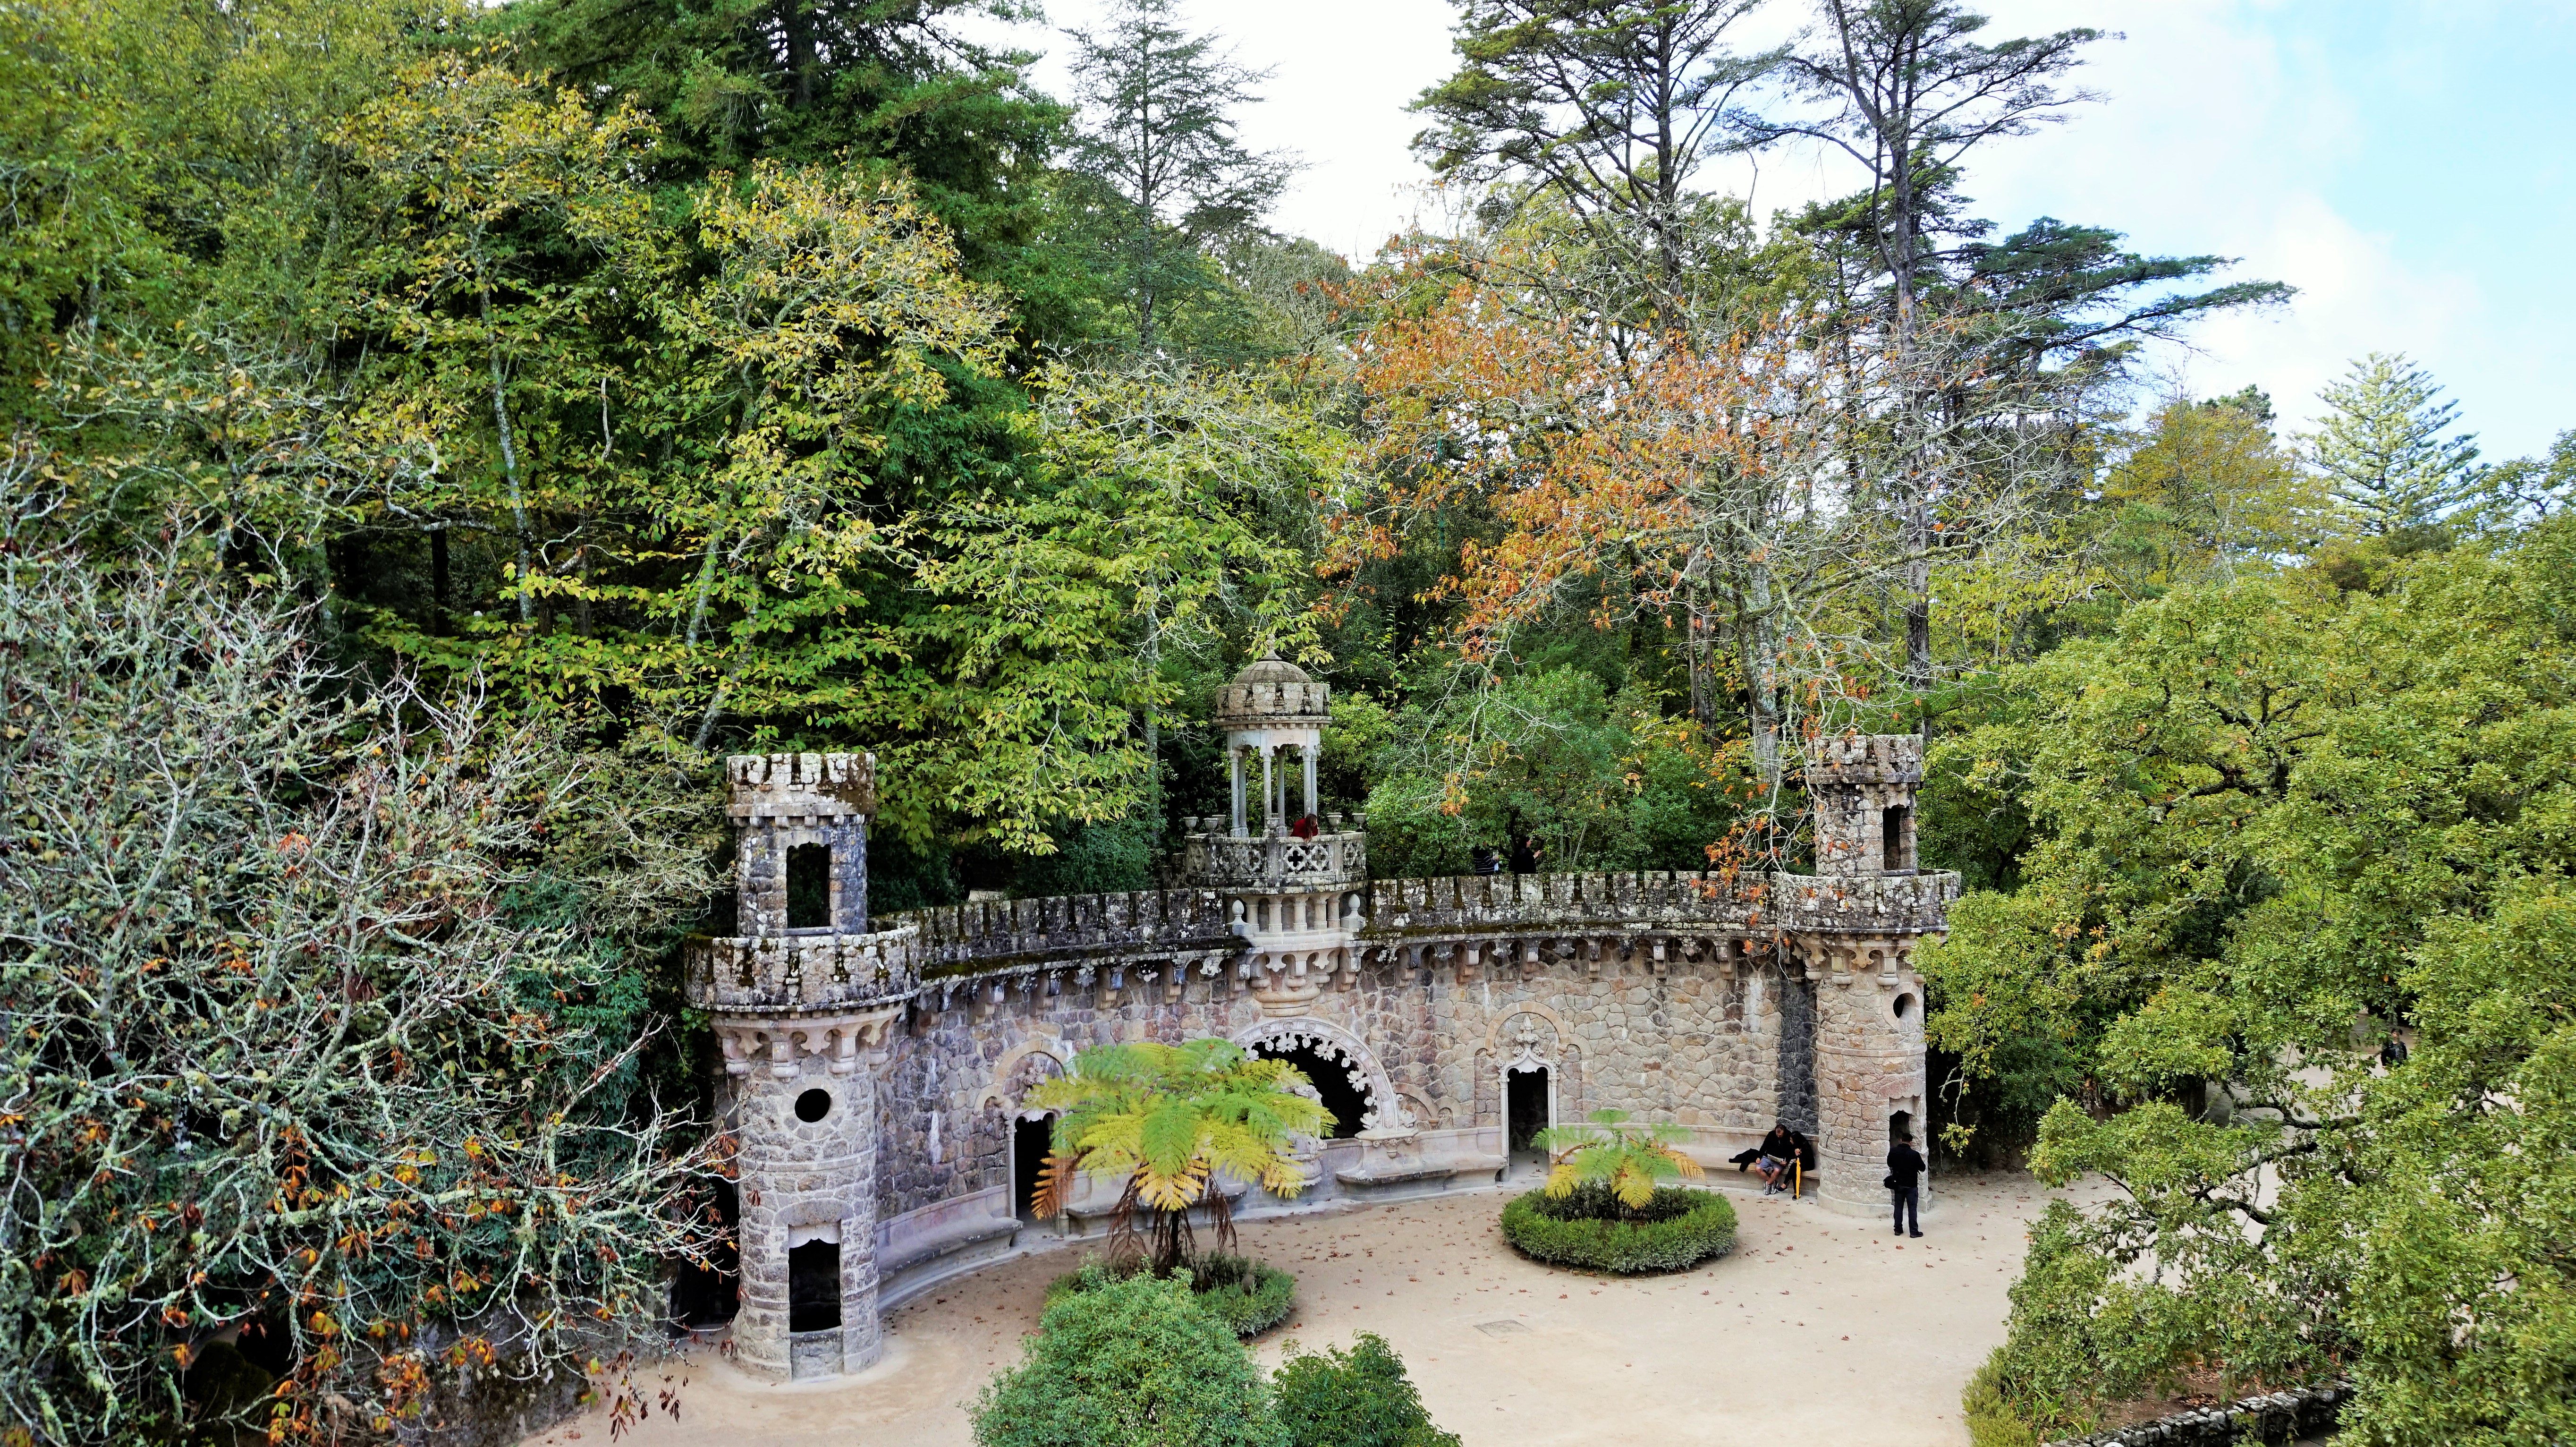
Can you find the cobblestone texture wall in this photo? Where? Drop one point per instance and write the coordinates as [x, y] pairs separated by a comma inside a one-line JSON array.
[[1695, 1044], [812, 1178]]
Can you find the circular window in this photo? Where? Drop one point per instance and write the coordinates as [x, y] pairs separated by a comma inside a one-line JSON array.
[[1904, 1006], [813, 1105]]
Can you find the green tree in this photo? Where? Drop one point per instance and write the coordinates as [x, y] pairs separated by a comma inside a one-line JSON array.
[[1167, 174], [1606, 1151], [322, 1015], [2205, 493], [1133, 1362], [2284, 830], [2386, 449], [1606, 111], [1164, 1121]]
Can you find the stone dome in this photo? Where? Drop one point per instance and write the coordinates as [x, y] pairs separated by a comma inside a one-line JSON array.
[[1271, 692]]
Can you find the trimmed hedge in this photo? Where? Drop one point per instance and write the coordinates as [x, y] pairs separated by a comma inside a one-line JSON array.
[[1249, 1296], [1678, 1228]]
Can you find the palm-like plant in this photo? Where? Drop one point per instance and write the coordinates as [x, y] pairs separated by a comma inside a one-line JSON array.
[[1630, 1160], [1167, 1119]]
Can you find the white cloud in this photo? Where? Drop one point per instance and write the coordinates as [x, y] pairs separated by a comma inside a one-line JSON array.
[[2236, 127]]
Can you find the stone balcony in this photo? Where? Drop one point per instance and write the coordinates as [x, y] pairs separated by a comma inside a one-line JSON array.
[[1275, 862], [803, 974]]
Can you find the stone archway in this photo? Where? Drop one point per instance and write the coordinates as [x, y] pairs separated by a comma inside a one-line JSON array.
[[1387, 1110]]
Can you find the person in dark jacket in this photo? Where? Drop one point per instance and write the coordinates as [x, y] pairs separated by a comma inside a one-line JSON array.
[[1486, 861], [1905, 1179], [1773, 1157]]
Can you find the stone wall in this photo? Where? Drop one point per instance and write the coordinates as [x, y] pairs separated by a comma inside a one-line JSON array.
[[1693, 1042]]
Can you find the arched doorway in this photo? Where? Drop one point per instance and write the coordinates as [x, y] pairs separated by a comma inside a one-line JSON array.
[[814, 1284], [1032, 1141], [1528, 1108]]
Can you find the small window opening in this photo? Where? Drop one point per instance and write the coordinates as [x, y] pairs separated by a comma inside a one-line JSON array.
[[1892, 853], [814, 1286], [1904, 1006], [1900, 1127], [809, 887], [813, 1105]]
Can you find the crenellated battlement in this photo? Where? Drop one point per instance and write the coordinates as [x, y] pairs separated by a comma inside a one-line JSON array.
[[1857, 759], [802, 974], [816, 788], [998, 934]]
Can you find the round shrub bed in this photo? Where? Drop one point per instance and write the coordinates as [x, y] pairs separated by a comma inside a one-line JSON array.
[[1249, 1296], [1588, 1228]]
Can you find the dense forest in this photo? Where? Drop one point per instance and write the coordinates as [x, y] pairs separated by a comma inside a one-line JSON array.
[[437, 434]]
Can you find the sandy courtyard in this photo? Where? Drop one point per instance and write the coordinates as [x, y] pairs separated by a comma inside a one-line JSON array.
[[1816, 1328]]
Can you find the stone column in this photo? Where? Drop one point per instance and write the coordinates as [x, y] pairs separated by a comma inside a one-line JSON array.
[[1234, 783], [1311, 807]]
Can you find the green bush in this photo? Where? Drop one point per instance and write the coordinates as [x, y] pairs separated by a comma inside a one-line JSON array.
[[1589, 1229], [1249, 1296], [1992, 1422], [1355, 1398], [1129, 1363]]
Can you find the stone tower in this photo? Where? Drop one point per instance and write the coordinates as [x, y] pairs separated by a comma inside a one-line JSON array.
[[1869, 1065], [801, 999]]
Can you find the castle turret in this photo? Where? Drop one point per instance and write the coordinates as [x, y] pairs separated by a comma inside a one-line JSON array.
[[801, 999], [1293, 879], [1862, 791], [1869, 1064]]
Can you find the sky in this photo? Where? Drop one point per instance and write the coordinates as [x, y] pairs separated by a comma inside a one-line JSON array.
[[2406, 165]]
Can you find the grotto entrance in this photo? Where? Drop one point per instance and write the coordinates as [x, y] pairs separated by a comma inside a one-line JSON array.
[[1525, 1112], [1340, 1090]]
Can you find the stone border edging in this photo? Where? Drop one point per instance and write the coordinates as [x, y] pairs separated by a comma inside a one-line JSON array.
[[2272, 1418]]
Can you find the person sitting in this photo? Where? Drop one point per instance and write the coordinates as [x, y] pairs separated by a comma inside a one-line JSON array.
[[1305, 827], [1779, 1150], [1904, 1174]]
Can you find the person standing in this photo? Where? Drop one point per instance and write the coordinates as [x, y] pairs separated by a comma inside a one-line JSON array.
[[1904, 1179]]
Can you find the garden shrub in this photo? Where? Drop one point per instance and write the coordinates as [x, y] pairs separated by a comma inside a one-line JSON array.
[[1588, 1228], [1355, 1398], [1132, 1362], [1249, 1296], [1992, 1422]]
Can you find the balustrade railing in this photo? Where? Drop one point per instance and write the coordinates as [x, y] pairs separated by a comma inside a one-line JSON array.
[[1276, 861]]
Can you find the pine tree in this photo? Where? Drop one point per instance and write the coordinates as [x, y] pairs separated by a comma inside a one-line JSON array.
[[2386, 449], [1159, 148]]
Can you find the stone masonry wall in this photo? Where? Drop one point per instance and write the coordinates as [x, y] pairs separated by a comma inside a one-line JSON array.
[[1695, 1043]]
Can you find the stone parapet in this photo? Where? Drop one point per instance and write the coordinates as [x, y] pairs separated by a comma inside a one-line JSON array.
[[1278, 862], [802, 974], [801, 787], [1076, 928], [1592, 903], [1866, 759]]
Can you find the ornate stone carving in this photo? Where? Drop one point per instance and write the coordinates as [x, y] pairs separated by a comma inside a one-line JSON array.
[[1388, 1114]]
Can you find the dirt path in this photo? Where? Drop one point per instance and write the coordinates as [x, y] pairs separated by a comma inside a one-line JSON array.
[[1816, 1328]]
